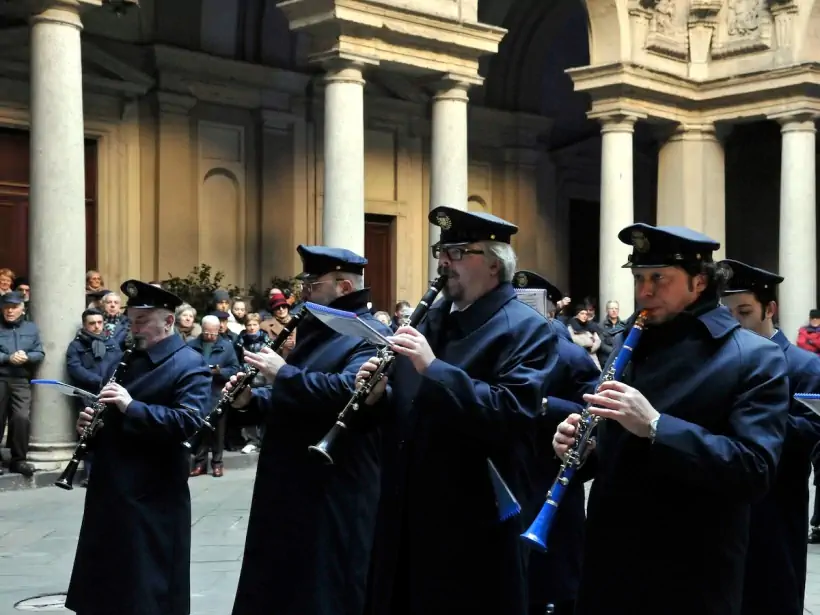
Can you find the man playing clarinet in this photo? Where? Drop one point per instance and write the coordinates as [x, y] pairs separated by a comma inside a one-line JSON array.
[[134, 552], [467, 386], [310, 530], [691, 440]]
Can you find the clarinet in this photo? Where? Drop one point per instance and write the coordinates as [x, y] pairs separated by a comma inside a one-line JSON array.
[[66, 480], [386, 358], [228, 397], [536, 535]]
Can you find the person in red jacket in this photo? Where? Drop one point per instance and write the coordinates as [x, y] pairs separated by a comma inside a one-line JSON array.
[[808, 337]]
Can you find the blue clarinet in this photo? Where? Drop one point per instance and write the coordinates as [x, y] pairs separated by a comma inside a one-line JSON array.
[[536, 534]]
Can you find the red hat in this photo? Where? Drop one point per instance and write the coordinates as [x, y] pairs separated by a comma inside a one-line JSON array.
[[276, 300]]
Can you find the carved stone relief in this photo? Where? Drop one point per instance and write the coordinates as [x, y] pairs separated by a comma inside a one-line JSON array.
[[667, 28], [744, 17]]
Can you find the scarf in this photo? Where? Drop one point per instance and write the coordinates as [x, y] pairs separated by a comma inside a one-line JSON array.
[[97, 343], [579, 326]]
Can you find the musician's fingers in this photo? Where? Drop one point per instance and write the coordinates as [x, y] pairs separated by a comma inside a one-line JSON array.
[[265, 350], [407, 330], [613, 385], [567, 429], [606, 413], [606, 401]]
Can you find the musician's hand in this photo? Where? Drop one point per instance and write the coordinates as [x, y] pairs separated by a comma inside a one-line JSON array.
[[289, 343], [115, 394], [412, 344], [624, 404], [266, 361], [244, 398], [86, 415], [365, 371], [564, 437]]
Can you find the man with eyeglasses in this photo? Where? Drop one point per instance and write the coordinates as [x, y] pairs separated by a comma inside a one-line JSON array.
[[307, 549], [466, 386]]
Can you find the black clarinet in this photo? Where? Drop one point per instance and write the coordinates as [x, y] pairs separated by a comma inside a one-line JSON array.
[[386, 358], [66, 480], [228, 397]]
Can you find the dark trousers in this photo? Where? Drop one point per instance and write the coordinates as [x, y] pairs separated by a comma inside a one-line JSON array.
[[15, 404], [815, 462], [213, 441]]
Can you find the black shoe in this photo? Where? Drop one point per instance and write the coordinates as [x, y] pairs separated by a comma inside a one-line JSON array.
[[22, 467], [814, 536]]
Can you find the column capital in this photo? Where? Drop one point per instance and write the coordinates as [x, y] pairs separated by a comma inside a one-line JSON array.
[[451, 86], [63, 12], [798, 120], [343, 67], [616, 121], [689, 131]]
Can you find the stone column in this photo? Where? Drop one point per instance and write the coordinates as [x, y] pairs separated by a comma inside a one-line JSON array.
[[449, 153], [343, 215], [692, 182], [798, 223], [615, 283], [56, 216]]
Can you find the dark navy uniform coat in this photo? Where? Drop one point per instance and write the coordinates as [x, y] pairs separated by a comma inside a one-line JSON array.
[[311, 525], [554, 576], [134, 551], [668, 522], [440, 546], [776, 564]]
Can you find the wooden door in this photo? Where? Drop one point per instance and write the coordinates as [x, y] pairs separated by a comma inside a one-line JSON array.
[[14, 199], [378, 250]]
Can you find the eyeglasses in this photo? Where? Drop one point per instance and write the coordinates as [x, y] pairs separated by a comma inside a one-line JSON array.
[[454, 253], [309, 285]]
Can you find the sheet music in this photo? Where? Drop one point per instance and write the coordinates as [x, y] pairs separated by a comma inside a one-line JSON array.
[[536, 298]]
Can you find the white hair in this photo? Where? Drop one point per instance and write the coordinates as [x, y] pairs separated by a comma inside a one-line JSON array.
[[210, 319], [357, 280], [505, 255], [111, 294]]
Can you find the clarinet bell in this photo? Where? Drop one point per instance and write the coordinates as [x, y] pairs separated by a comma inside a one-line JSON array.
[[66, 480], [322, 448], [507, 505], [536, 534]]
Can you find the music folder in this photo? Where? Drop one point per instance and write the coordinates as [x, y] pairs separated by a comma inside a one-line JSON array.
[[66, 389], [536, 298], [812, 400], [347, 323]]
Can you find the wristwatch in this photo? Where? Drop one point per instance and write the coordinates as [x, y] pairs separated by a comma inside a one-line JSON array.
[[653, 428]]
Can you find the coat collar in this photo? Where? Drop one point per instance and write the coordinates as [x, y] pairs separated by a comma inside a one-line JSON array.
[[164, 349], [482, 308], [781, 340], [718, 321]]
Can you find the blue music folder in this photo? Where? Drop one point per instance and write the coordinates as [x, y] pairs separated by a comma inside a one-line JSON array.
[[812, 400], [66, 389], [346, 323]]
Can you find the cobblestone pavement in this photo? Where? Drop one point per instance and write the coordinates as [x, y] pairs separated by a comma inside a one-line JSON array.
[[38, 534]]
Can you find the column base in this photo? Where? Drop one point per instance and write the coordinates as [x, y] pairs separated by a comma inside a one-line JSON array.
[[50, 456]]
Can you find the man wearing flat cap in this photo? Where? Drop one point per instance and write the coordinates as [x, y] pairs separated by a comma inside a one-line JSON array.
[[467, 386], [310, 530], [691, 440], [134, 551], [775, 579], [554, 576]]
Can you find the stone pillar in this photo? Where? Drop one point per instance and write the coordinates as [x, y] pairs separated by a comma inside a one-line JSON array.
[[449, 156], [615, 283], [343, 215], [798, 223], [692, 182], [56, 217]]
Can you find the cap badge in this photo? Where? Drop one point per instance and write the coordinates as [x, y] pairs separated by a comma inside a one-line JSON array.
[[640, 242], [521, 280], [443, 220], [132, 290]]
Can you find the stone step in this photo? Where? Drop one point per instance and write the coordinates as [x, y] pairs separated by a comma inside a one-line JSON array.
[[232, 460]]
